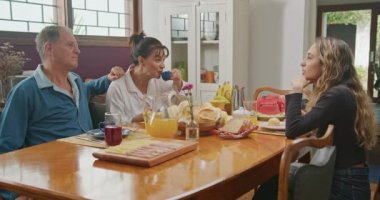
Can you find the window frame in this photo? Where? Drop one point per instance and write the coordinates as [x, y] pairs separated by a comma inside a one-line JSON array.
[[65, 18]]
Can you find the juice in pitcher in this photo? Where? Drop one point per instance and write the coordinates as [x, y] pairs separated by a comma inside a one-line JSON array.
[[162, 127]]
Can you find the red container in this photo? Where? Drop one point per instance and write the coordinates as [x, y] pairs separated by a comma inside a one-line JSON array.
[[112, 135]]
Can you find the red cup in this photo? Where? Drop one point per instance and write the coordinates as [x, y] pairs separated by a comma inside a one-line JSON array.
[[112, 135]]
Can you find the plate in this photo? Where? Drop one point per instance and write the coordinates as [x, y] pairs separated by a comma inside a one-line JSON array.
[[98, 134], [232, 136], [264, 117], [280, 127]]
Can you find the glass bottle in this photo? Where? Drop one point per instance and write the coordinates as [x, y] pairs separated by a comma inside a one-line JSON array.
[[192, 130], [192, 127]]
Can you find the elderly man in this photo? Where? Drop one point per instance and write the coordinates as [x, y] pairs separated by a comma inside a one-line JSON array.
[[53, 103]]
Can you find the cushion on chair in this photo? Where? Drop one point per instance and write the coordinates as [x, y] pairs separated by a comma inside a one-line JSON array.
[[312, 180]]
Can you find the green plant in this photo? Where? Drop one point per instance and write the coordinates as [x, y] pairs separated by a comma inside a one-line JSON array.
[[11, 61]]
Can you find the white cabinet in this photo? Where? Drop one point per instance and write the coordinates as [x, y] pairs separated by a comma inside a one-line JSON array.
[[208, 40]]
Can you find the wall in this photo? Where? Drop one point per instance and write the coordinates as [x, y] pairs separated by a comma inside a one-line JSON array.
[[93, 61], [150, 17], [281, 35], [281, 32]]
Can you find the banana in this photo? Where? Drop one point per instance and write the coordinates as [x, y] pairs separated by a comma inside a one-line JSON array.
[[222, 89], [221, 98], [228, 91], [219, 91]]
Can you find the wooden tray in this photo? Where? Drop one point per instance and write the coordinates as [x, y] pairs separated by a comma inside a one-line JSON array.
[[181, 147]]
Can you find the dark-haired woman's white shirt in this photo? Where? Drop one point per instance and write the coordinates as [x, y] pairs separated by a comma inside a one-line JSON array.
[[125, 98]]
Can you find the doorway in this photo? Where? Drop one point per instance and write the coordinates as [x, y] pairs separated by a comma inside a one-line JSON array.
[[359, 26]]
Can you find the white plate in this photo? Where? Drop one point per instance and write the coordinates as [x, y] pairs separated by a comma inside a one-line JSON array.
[[281, 127]]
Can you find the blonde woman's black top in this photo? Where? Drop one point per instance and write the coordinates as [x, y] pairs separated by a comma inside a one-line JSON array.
[[336, 106]]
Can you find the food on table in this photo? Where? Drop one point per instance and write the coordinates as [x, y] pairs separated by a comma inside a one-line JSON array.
[[237, 126], [203, 114], [224, 92], [273, 122]]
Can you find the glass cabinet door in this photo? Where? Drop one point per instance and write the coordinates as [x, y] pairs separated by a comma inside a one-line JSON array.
[[179, 43], [209, 47], [210, 55]]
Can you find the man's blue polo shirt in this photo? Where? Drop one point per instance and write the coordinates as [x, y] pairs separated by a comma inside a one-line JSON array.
[[38, 111]]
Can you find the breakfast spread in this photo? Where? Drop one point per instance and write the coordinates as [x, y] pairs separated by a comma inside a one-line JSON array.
[[203, 114]]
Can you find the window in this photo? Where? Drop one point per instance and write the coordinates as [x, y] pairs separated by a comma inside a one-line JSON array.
[[95, 22], [27, 16], [101, 17]]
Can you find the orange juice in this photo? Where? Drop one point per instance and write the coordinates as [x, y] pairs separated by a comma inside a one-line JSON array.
[[162, 127]]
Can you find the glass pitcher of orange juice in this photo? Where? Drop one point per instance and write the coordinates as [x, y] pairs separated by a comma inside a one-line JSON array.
[[157, 120]]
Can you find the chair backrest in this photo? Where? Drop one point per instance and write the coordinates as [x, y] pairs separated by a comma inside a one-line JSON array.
[[97, 108], [268, 89], [307, 180]]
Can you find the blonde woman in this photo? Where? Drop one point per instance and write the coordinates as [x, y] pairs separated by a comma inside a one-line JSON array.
[[338, 98]]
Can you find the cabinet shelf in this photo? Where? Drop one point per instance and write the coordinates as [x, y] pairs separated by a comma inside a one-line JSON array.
[[210, 42], [180, 42]]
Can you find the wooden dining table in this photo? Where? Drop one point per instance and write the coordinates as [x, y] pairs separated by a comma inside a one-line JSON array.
[[217, 169]]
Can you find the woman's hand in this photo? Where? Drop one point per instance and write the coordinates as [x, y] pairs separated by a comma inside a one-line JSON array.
[[115, 73], [298, 84], [177, 79]]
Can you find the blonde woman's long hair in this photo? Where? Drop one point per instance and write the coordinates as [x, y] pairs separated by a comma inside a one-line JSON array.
[[336, 57]]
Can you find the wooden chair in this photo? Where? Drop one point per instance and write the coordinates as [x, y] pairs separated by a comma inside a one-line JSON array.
[[268, 89], [288, 170], [97, 106], [377, 191]]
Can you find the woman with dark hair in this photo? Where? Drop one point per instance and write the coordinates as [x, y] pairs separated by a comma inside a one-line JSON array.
[[128, 95], [338, 98]]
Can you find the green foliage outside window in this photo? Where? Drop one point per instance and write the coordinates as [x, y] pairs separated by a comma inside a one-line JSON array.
[[348, 17]]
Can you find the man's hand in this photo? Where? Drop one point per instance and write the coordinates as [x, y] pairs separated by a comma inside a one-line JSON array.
[[138, 118], [116, 73]]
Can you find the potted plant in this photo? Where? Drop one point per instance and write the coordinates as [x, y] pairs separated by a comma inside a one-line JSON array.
[[11, 63]]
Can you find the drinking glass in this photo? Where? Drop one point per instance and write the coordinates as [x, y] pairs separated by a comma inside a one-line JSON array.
[[112, 128], [250, 105]]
